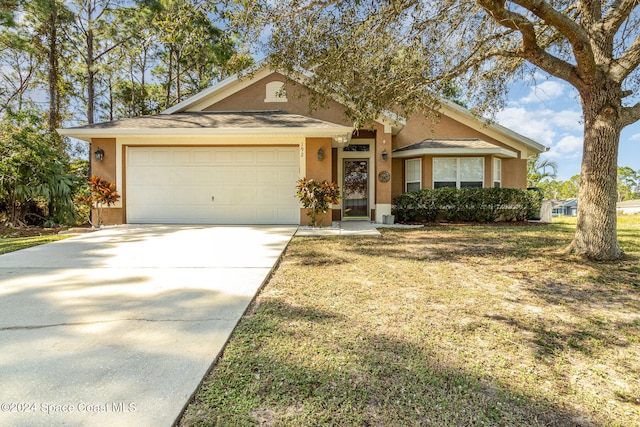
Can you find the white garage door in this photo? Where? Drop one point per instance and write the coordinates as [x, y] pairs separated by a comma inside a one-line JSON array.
[[212, 185]]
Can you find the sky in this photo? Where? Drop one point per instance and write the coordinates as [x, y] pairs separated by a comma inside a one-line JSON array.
[[548, 111]]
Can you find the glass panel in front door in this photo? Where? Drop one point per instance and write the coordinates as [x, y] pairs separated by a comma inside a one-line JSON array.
[[356, 188]]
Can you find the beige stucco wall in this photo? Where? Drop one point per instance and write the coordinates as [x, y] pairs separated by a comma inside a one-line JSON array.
[[253, 98], [514, 173], [383, 143], [318, 170], [107, 169], [419, 128]]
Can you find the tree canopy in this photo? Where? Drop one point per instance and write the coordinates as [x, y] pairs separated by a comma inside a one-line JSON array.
[[81, 61]]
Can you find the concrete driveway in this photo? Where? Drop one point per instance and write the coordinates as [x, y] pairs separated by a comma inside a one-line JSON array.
[[118, 327]]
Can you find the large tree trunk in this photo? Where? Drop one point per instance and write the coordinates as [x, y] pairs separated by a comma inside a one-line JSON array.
[[596, 236]]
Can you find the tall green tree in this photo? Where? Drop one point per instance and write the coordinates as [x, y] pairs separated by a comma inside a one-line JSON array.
[[19, 64], [553, 189], [94, 34], [130, 93], [32, 170], [375, 54], [45, 19], [540, 170], [628, 183], [194, 51]]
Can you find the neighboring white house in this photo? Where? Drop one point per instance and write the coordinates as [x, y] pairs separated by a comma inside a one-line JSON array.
[[567, 207], [628, 207]]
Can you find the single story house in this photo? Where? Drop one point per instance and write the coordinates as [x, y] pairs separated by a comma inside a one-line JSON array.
[[233, 153], [628, 207], [566, 207]]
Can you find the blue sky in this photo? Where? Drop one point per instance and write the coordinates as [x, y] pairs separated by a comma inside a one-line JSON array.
[[548, 111]]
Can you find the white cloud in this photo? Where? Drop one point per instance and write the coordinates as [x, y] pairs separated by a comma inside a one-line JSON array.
[[568, 120], [533, 124], [635, 137], [543, 125], [569, 147], [545, 91]]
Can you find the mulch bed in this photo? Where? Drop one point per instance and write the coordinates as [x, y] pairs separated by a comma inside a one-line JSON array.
[[483, 224], [29, 231]]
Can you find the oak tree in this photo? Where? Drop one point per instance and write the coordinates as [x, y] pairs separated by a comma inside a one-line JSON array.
[[380, 53]]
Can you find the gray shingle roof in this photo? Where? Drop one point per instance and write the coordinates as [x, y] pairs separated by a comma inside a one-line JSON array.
[[226, 120], [471, 143]]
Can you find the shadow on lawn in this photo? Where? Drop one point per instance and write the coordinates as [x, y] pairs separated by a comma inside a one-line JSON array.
[[302, 366], [440, 244]]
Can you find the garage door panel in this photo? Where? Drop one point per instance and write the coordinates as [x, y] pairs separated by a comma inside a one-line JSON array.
[[245, 158], [287, 156], [287, 176], [223, 156], [161, 157], [181, 157], [139, 157], [202, 157], [268, 157], [209, 185]]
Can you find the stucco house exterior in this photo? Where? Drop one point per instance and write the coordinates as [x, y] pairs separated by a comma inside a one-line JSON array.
[[566, 207], [232, 155], [628, 207]]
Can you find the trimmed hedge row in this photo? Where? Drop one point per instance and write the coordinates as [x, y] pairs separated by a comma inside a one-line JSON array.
[[467, 205]]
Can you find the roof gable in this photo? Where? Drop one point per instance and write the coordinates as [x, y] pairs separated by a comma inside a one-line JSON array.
[[392, 122]]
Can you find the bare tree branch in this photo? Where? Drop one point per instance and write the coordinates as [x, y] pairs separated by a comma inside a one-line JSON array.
[[617, 14], [530, 49], [630, 114], [627, 63]]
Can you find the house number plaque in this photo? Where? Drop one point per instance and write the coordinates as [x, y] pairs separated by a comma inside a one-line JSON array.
[[384, 176]]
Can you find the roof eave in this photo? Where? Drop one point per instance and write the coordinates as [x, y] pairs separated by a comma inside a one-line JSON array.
[[530, 143], [88, 134], [498, 151]]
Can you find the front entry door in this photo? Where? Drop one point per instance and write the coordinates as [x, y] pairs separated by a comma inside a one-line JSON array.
[[356, 189]]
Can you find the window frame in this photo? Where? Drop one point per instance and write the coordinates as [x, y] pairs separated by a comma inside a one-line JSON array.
[[458, 172], [275, 91], [498, 181], [406, 174]]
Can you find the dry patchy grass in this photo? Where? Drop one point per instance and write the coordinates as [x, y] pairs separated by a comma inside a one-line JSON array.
[[445, 326]]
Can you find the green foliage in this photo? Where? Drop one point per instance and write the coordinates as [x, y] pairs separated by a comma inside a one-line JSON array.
[[32, 170], [7, 10], [467, 205], [101, 192], [194, 51], [316, 196], [540, 171], [136, 99], [628, 183], [560, 189]]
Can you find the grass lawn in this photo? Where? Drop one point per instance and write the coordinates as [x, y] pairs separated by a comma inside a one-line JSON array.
[[443, 326], [10, 244]]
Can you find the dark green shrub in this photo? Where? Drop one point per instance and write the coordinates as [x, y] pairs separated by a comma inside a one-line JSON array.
[[466, 205]]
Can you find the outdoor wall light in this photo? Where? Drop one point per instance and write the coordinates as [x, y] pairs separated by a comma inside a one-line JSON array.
[[320, 154], [385, 155], [99, 154]]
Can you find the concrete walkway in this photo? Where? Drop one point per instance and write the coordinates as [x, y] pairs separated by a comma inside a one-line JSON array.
[[342, 228], [118, 327]]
